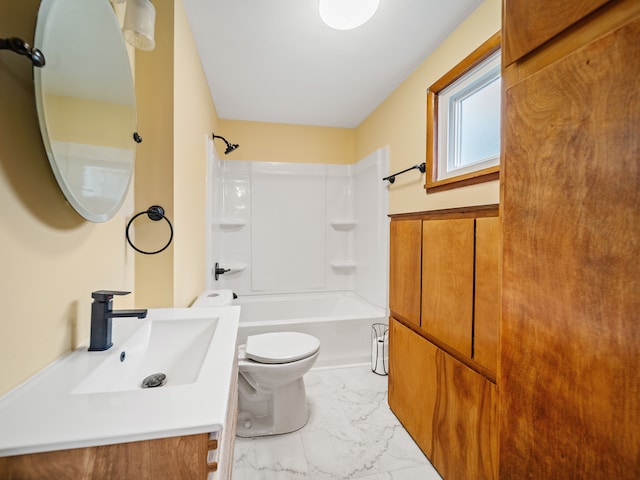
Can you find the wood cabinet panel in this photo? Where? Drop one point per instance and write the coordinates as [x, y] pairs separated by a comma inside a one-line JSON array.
[[486, 315], [405, 251], [175, 458], [465, 434], [447, 281], [412, 379], [570, 336], [447, 408], [528, 24]]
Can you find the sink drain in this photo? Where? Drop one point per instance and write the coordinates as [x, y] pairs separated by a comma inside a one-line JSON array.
[[154, 380]]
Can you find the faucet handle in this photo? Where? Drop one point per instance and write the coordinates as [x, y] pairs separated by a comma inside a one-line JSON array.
[[106, 295]]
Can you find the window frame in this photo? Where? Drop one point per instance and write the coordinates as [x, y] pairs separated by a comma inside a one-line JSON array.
[[482, 53]]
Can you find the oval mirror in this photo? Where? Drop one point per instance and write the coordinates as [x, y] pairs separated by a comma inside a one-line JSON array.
[[85, 99]]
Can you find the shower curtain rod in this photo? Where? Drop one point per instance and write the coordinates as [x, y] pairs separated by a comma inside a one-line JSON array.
[[392, 178]]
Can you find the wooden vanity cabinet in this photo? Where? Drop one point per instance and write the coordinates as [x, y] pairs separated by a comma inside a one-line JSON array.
[[180, 458], [203, 456]]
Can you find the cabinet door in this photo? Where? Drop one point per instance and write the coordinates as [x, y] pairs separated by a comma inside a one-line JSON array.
[[487, 293], [448, 409], [447, 281], [412, 383], [570, 335], [528, 24], [404, 269]]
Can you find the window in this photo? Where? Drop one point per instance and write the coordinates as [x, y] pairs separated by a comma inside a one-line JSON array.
[[463, 121]]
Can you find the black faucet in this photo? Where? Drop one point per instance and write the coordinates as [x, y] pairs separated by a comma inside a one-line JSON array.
[[101, 314]]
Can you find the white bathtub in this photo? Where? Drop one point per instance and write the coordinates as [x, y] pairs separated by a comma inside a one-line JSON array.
[[340, 320]]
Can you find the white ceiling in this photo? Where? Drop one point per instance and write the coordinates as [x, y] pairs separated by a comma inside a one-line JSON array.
[[276, 61]]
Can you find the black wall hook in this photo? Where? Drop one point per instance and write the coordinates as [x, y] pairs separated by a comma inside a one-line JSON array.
[[21, 47]]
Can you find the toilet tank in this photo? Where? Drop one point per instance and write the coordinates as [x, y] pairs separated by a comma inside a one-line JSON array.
[[214, 298]]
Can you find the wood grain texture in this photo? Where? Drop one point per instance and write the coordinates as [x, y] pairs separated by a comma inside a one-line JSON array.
[[528, 24], [447, 281], [448, 409], [570, 331], [175, 458], [486, 317], [405, 254], [412, 379]]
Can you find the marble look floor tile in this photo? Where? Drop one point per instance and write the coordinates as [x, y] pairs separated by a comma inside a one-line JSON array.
[[426, 472], [277, 457], [366, 406], [359, 450], [325, 411], [351, 433]]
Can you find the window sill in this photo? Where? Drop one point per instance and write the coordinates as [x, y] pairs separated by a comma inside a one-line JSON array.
[[480, 176]]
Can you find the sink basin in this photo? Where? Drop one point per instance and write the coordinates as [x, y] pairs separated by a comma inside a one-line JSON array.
[[88, 398], [174, 348]]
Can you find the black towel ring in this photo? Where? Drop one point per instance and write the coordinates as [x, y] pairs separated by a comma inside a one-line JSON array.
[[155, 213]]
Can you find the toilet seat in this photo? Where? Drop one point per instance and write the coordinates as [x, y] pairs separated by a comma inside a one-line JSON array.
[[280, 347]]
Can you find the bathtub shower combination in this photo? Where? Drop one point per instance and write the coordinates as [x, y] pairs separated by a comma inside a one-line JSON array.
[[305, 247]]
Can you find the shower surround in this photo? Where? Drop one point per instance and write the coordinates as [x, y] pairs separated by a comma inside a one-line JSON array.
[[288, 228]]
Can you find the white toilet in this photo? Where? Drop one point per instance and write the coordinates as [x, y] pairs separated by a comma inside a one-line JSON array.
[[271, 393]]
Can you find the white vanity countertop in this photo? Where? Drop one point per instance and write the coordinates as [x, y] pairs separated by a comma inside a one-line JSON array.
[[45, 414]]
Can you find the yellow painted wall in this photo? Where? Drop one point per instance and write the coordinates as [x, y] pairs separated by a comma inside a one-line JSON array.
[[277, 142], [154, 162], [195, 118], [176, 116], [400, 121], [50, 258]]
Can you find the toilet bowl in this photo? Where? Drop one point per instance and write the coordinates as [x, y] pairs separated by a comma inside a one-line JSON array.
[[271, 392]]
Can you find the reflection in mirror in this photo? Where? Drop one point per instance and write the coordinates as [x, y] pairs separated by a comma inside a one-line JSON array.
[[86, 104]]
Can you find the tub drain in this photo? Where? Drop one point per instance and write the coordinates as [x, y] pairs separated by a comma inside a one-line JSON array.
[[154, 380]]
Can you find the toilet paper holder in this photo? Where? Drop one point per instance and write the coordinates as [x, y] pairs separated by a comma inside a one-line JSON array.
[[380, 348]]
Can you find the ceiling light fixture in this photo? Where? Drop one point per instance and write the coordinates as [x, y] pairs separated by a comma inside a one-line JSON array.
[[139, 24], [347, 14]]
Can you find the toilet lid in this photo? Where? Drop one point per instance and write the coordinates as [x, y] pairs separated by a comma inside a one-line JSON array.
[[281, 347]]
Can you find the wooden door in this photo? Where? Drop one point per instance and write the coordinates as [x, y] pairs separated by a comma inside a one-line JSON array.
[[405, 250], [486, 315], [447, 281], [570, 334]]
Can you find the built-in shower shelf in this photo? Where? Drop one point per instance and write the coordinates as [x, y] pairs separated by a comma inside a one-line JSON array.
[[343, 265], [343, 224], [231, 222]]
